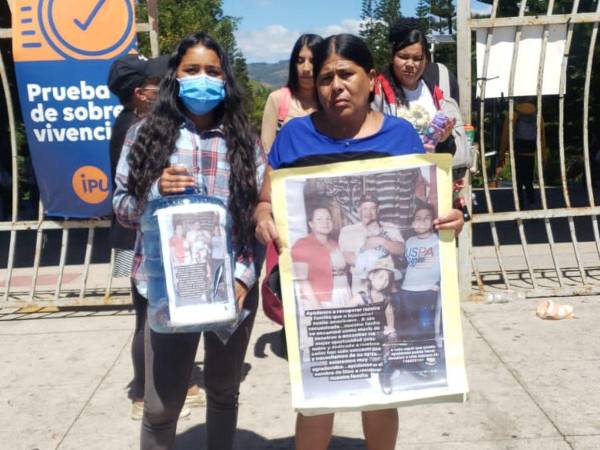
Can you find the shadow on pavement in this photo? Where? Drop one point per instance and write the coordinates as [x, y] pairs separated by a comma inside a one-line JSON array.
[[248, 440], [275, 341]]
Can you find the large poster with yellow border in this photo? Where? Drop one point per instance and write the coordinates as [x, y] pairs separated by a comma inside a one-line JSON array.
[[369, 286]]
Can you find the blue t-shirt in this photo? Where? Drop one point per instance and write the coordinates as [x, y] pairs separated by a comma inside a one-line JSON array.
[[299, 140]]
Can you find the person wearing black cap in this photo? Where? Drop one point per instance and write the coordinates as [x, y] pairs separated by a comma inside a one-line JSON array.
[[135, 79]]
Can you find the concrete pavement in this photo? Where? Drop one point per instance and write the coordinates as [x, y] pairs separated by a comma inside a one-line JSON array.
[[64, 376]]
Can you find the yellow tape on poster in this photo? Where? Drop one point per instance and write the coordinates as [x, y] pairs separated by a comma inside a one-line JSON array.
[[370, 289]]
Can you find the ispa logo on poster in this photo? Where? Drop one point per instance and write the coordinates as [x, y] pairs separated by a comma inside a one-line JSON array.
[[63, 51], [369, 286]]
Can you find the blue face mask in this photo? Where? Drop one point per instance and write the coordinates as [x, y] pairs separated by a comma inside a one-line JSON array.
[[200, 93]]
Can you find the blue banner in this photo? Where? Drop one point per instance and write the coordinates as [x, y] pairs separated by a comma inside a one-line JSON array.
[[63, 52]]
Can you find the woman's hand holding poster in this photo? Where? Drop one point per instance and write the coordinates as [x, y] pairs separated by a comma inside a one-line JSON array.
[[372, 320]]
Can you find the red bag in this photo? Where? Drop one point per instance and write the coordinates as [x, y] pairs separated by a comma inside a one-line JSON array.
[[271, 288]]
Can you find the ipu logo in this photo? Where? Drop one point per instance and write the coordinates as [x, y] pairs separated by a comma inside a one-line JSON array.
[[90, 184]]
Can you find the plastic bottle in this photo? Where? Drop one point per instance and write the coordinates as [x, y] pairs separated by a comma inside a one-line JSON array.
[[470, 132], [434, 130], [200, 187], [504, 296], [158, 303]]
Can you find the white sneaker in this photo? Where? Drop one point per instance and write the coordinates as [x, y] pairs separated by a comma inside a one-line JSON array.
[[137, 411], [185, 412], [195, 400]]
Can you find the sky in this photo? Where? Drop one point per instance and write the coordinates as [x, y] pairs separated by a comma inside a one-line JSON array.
[[268, 28]]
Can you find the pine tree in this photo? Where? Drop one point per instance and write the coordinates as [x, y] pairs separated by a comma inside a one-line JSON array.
[[367, 31], [388, 11], [443, 16], [422, 11], [377, 17]]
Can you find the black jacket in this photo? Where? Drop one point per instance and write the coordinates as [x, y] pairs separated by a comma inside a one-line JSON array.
[[120, 237]]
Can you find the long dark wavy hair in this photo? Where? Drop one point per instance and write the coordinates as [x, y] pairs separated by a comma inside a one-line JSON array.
[[158, 134], [404, 32], [311, 41]]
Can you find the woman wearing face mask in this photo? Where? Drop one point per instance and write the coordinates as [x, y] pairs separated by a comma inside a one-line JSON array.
[[297, 98], [199, 121], [344, 128], [134, 79]]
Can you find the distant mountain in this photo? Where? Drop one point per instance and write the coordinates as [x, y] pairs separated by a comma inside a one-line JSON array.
[[273, 74]]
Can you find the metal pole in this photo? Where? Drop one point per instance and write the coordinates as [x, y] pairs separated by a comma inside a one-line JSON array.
[[486, 189], [586, 118], [511, 143], [561, 141], [153, 22], [463, 60], [15, 171]]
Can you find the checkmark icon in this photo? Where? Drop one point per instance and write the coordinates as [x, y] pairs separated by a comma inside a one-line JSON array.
[[85, 25]]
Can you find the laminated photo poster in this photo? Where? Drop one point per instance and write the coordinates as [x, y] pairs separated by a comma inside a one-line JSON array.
[[198, 267], [370, 288]]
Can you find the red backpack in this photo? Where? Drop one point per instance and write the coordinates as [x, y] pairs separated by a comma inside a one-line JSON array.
[[382, 85], [271, 286], [284, 106]]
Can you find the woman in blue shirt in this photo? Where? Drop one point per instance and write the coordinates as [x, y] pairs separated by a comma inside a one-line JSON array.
[[343, 129]]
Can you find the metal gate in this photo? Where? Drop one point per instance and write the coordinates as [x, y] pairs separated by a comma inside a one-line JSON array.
[[59, 284], [554, 247]]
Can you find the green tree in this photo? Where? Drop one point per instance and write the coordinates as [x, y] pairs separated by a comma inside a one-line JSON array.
[[422, 12], [260, 92], [179, 18], [377, 17], [443, 15]]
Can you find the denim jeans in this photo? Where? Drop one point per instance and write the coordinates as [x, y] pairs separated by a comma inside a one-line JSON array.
[[415, 313], [140, 305], [169, 363]]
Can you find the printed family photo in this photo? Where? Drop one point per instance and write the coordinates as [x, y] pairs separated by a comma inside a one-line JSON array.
[[367, 283], [197, 273], [369, 241], [194, 245]]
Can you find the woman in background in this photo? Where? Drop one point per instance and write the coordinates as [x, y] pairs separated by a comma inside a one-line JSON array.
[[297, 98], [404, 90]]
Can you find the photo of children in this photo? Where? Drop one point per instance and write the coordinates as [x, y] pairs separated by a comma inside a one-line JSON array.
[[195, 252], [194, 268], [179, 246], [366, 275], [420, 289], [380, 280]]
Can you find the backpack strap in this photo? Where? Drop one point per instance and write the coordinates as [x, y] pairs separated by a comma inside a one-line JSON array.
[[438, 96], [271, 295], [444, 79], [383, 85], [284, 104]]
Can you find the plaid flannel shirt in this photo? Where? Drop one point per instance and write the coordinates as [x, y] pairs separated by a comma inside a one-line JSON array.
[[205, 153]]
